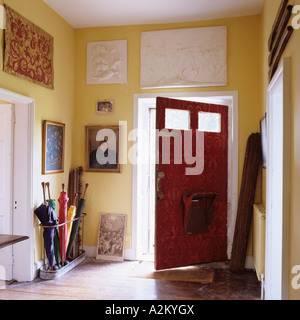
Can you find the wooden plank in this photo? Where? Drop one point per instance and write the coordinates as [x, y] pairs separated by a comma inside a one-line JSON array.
[[246, 200], [95, 280], [277, 23], [280, 50], [7, 239], [281, 30]]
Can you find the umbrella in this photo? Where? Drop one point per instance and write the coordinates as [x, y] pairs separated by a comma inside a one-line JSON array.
[[76, 223], [47, 217], [52, 203], [71, 215], [63, 200]]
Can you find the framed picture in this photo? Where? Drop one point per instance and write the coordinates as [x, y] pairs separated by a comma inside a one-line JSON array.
[[102, 149], [111, 237], [53, 147], [105, 107], [263, 130]]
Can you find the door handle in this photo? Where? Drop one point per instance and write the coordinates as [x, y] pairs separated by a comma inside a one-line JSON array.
[[159, 194]]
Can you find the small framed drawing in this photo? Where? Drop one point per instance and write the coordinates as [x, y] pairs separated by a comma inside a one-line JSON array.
[[111, 237], [102, 149], [105, 107], [53, 147], [263, 130]]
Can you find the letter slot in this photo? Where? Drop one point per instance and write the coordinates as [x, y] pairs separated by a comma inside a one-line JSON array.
[[198, 211]]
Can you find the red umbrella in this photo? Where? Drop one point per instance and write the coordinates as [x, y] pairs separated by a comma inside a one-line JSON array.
[[63, 235]]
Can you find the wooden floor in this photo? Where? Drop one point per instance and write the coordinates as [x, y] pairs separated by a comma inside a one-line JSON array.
[[95, 280]]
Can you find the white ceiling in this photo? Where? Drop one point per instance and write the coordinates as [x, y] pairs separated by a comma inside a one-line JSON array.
[[99, 13]]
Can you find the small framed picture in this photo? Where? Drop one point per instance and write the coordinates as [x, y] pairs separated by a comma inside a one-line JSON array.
[[105, 107], [263, 130], [111, 237], [53, 147], [102, 149]]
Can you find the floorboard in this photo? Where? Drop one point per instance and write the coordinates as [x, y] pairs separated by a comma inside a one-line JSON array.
[[96, 280]]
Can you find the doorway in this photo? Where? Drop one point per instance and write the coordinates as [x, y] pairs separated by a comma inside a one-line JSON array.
[[21, 184], [144, 181], [278, 185]]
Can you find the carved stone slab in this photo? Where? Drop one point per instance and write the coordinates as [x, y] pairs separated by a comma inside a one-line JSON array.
[[107, 62], [192, 57]]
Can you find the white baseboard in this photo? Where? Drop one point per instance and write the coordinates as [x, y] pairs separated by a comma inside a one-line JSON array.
[[91, 251], [249, 264], [129, 254], [37, 266]]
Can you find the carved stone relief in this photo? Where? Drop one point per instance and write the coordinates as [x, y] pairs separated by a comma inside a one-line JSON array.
[[192, 57], [107, 62]]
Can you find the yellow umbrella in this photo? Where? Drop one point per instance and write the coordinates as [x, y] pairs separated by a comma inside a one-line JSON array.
[[71, 215]]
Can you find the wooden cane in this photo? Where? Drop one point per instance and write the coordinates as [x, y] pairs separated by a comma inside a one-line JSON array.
[[74, 200], [43, 185], [86, 186], [48, 186]]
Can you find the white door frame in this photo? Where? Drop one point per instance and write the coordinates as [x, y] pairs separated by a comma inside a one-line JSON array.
[[278, 184], [23, 208], [229, 98]]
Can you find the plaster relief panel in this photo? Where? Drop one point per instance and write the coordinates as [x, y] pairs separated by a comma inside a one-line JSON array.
[[107, 62], [192, 57]]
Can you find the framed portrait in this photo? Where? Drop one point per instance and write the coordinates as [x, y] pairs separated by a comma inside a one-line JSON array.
[[263, 130], [53, 147], [111, 237], [102, 149], [105, 107]]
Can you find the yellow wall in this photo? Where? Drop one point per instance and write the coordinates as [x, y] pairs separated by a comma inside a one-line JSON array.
[[55, 105], [73, 102], [111, 192], [293, 51]]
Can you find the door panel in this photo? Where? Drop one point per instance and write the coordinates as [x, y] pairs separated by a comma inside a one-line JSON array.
[[6, 131], [206, 173]]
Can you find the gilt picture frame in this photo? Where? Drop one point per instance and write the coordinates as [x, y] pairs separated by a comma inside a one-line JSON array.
[[53, 147], [105, 107], [102, 149]]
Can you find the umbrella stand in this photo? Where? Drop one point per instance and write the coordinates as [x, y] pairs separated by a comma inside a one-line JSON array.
[[50, 224], [50, 274]]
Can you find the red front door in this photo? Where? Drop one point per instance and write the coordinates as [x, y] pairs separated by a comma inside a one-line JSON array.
[[191, 171]]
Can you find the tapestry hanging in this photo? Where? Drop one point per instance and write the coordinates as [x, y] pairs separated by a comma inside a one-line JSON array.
[[28, 50]]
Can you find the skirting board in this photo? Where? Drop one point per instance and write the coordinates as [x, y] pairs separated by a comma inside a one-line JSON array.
[[91, 252]]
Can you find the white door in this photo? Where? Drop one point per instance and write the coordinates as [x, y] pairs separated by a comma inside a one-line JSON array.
[[6, 161], [278, 185]]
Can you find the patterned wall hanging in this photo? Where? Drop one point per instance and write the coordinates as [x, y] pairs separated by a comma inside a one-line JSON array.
[[28, 50]]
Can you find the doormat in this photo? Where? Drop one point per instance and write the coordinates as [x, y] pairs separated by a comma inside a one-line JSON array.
[[187, 274]]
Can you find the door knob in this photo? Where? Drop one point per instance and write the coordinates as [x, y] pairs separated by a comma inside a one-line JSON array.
[[160, 195]]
